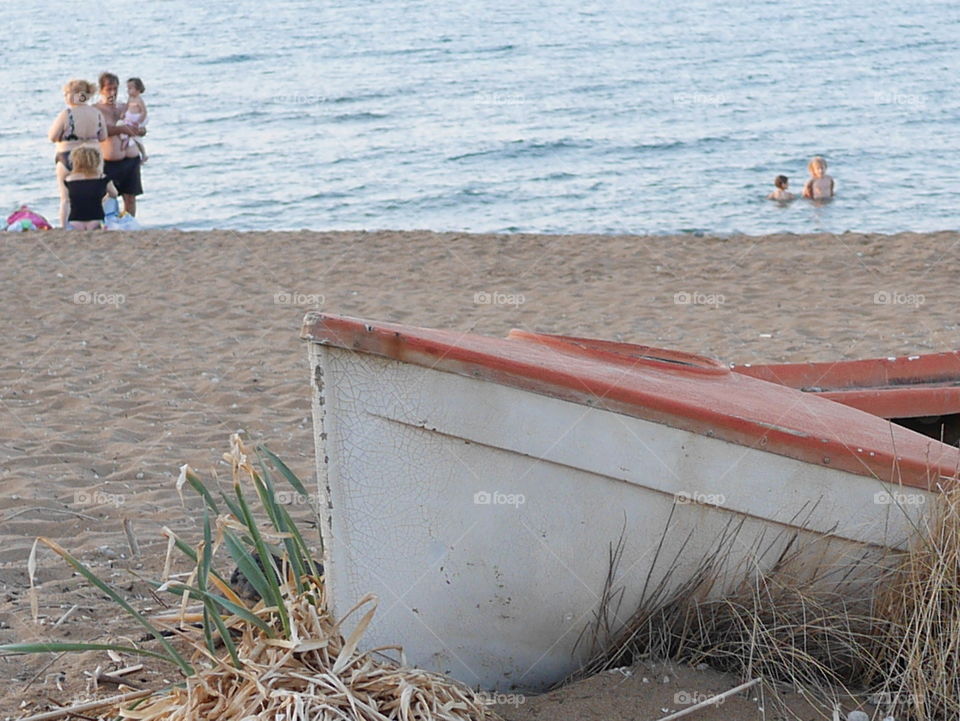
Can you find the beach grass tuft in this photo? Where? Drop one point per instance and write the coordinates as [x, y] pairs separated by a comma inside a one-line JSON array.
[[882, 628], [283, 655]]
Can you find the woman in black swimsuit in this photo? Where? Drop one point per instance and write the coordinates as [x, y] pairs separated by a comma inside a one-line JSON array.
[[87, 186], [76, 126]]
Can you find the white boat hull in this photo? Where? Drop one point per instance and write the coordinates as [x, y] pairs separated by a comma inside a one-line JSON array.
[[482, 515]]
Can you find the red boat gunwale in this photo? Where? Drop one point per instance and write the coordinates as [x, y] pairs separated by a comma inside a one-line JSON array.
[[677, 389], [902, 387]]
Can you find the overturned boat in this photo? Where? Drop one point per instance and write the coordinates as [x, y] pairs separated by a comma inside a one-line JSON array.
[[477, 484]]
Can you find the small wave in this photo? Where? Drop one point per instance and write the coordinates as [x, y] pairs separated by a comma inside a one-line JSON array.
[[323, 195], [494, 49], [523, 149], [398, 52], [359, 98], [358, 117], [243, 115], [644, 147], [228, 59], [553, 176]]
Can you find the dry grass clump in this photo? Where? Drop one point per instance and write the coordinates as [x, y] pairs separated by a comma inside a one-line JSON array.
[[918, 659], [280, 656], [314, 673], [885, 624]]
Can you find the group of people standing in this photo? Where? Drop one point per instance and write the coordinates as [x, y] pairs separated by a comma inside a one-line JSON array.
[[99, 151]]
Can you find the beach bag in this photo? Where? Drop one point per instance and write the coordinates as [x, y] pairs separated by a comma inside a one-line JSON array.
[[113, 219], [25, 219]]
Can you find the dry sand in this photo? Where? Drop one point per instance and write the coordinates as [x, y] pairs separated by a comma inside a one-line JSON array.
[[127, 355]]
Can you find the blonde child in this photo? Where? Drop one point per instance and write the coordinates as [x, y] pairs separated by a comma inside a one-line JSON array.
[[781, 183], [135, 115], [820, 185], [87, 186]]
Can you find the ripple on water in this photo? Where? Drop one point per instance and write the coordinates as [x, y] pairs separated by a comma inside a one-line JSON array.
[[662, 117]]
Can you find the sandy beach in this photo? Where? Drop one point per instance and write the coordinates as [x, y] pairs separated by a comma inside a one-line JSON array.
[[126, 356]]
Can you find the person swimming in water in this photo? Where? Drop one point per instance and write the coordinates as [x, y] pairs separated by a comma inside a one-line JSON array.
[[820, 186], [780, 193]]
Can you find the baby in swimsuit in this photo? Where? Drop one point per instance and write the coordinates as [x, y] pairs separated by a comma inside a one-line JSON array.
[[135, 115]]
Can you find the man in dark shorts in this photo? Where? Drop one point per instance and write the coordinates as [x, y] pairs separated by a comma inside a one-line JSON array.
[[123, 170], [125, 174]]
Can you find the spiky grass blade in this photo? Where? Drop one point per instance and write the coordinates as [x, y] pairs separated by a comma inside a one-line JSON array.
[[211, 614], [175, 656], [302, 550], [265, 491], [246, 564], [291, 477], [203, 571], [302, 668], [300, 546], [202, 490], [230, 606], [273, 594]]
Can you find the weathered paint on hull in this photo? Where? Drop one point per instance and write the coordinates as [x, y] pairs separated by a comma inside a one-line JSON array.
[[496, 589]]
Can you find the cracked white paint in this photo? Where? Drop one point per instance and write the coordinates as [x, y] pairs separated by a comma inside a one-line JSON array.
[[496, 595]]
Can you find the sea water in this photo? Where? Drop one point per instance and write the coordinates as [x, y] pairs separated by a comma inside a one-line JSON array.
[[494, 115]]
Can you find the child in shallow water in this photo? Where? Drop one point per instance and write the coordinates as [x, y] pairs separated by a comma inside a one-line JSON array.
[[781, 183], [820, 185]]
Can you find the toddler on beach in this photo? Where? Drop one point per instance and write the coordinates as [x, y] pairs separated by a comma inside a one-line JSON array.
[[87, 186], [135, 115], [820, 185], [781, 193]]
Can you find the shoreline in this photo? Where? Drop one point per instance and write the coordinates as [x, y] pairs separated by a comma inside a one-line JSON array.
[[697, 235]]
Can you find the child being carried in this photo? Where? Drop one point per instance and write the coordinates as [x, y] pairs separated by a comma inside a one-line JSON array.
[[135, 116]]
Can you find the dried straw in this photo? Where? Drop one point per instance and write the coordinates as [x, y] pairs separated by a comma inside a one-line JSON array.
[[283, 656], [315, 674], [886, 624], [297, 663]]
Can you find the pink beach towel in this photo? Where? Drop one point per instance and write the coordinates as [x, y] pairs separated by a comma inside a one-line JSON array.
[[24, 213]]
